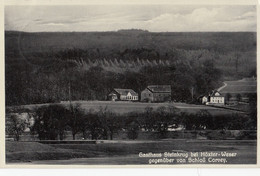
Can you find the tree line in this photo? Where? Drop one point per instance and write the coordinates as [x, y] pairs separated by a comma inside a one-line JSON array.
[[54, 121]]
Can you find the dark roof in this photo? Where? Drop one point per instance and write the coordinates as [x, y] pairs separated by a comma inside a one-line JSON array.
[[159, 88], [125, 91], [201, 96]]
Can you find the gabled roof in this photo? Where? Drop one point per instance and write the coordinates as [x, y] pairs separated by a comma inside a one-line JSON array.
[[126, 91], [213, 94], [159, 88]]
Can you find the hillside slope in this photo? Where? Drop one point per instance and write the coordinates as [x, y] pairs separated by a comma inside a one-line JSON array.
[[40, 66]]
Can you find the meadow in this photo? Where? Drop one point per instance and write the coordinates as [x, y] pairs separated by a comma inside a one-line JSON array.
[[241, 86], [122, 107], [124, 152]]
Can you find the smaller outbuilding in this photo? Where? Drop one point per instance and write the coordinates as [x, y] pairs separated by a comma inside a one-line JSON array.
[[123, 95], [205, 99]]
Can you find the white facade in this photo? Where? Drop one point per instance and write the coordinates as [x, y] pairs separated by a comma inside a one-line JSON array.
[[216, 98], [123, 94], [129, 96]]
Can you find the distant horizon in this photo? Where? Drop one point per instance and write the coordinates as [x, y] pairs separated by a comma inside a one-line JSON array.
[[111, 18], [144, 31]]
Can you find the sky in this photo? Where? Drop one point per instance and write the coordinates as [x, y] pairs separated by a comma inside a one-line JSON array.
[[154, 18]]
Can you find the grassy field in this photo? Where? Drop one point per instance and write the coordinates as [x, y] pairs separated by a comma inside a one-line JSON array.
[[126, 107], [127, 152], [32, 151], [240, 87]]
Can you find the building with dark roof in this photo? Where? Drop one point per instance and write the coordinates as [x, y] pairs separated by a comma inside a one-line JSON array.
[[156, 93], [123, 94]]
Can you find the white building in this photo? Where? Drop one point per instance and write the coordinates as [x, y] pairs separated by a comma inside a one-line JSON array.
[[123, 94], [217, 98]]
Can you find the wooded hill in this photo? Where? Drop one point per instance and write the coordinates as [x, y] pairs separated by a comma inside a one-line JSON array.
[[40, 66]]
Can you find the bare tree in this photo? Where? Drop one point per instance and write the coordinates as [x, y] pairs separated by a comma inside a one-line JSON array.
[[111, 122], [15, 126], [76, 119]]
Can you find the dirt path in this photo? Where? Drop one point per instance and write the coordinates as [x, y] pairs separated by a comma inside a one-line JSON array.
[[225, 84]]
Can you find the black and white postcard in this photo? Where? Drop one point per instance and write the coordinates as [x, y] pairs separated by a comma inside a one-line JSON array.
[[130, 84]]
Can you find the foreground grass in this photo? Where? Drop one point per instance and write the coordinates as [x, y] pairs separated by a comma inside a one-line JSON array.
[[125, 152], [33, 151]]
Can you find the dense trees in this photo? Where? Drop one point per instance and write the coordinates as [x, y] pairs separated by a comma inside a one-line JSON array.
[[89, 69], [65, 81], [54, 121], [51, 122]]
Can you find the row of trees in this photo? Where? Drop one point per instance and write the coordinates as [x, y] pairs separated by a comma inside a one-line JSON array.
[[53, 121]]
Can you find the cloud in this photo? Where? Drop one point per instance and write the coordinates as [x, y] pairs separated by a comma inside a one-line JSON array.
[[110, 18], [203, 19], [246, 16]]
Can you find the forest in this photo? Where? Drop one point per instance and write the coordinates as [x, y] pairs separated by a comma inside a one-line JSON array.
[[54, 67]]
